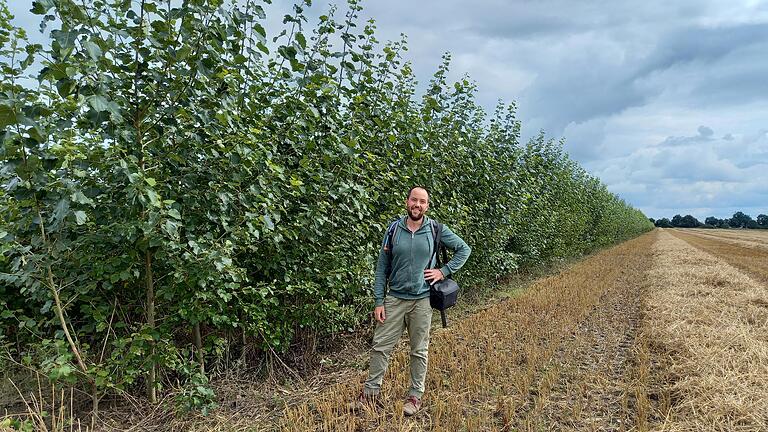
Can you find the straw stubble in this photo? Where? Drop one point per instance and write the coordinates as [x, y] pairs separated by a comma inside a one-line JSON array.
[[497, 369], [706, 335]]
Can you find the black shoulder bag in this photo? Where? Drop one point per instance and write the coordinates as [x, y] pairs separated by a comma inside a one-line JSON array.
[[443, 293]]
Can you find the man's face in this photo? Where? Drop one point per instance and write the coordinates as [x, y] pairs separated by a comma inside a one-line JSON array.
[[417, 204]]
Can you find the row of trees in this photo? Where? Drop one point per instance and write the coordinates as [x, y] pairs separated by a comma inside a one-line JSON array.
[[182, 193], [738, 220]]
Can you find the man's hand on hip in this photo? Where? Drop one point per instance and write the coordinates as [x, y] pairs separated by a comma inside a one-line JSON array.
[[433, 275], [380, 314]]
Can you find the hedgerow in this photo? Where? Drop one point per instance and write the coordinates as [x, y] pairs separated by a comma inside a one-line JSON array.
[[180, 188]]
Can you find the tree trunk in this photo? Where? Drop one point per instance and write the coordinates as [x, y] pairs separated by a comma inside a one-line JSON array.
[[199, 346], [94, 404], [152, 378]]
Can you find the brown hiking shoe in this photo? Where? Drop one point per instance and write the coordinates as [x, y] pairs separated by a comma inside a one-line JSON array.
[[364, 401], [412, 405]]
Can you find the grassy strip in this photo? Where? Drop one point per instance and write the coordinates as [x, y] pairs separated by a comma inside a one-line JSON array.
[[704, 356], [594, 389], [487, 370]]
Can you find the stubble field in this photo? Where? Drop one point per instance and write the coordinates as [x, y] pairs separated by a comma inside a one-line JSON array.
[[668, 331], [665, 332]]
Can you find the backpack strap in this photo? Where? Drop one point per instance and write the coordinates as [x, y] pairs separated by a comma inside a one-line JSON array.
[[437, 236], [389, 243]]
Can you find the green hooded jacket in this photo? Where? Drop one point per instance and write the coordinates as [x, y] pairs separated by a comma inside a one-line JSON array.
[[411, 252]]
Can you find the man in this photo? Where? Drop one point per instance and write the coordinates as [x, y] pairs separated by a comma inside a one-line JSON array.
[[407, 303]]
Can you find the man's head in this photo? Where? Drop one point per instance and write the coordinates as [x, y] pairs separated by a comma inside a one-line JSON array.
[[417, 203]]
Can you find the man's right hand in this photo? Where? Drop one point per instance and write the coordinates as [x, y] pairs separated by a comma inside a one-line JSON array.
[[379, 314]]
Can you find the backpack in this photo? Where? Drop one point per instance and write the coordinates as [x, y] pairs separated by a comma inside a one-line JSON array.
[[442, 294]]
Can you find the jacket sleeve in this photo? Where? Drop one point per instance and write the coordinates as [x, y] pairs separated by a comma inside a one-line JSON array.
[[379, 287], [459, 247]]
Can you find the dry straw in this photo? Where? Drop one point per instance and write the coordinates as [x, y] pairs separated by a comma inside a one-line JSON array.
[[491, 371], [741, 238], [750, 259], [708, 331]]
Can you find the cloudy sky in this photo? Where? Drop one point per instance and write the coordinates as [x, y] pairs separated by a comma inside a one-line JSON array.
[[665, 102]]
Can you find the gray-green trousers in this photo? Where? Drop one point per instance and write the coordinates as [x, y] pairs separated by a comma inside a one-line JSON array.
[[416, 316]]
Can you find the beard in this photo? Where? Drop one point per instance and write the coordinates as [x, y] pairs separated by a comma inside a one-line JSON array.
[[415, 214]]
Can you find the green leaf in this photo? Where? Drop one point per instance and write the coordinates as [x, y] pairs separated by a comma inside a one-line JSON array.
[[261, 34], [98, 102], [41, 7], [154, 198], [174, 214], [80, 198], [171, 228], [150, 181], [65, 86], [7, 116], [287, 52], [66, 39], [80, 217], [94, 51], [183, 52], [301, 40], [260, 12], [62, 371], [62, 208]]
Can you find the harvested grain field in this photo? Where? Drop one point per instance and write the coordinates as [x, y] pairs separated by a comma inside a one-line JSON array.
[[668, 332], [758, 236], [659, 333], [753, 260], [505, 368], [754, 239], [705, 339]]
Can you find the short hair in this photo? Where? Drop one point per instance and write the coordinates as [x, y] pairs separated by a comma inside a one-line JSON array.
[[418, 187]]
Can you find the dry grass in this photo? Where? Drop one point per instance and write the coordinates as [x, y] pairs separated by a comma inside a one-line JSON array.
[[491, 371], [595, 388], [754, 239], [47, 408], [705, 343], [752, 260]]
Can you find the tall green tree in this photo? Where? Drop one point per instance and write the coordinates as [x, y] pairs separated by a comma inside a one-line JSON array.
[[740, 220], [183, 193], [762, 220]]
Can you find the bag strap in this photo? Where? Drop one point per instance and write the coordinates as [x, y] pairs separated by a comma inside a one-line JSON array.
[[389, 244], [437, 236]]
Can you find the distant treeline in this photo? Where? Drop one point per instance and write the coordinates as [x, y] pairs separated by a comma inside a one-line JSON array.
[[738, 220]]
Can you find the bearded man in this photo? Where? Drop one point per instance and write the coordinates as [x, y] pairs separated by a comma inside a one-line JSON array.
[[405, 265]]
